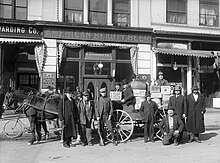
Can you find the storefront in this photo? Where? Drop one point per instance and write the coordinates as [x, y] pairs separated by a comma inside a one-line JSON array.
[[93, 57], [189, 59], [18, 44]]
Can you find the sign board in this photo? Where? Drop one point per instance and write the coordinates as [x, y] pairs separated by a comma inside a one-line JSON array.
[[155, 88], [138, 92], [139, 100], [48, 79], [165, 89], [115, 96]]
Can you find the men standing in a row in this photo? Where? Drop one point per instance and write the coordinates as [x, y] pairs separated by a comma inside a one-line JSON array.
[[178, 102], [195, 114], [148, 111], [68, 115]]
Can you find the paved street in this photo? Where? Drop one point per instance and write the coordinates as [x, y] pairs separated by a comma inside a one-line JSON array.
[[133, 151]]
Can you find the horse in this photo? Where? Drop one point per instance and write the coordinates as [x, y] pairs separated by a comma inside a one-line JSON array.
[[37, 108]]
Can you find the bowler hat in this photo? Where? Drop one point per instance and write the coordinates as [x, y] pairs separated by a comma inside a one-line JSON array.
[[148, 94], [124, 81], [171, 108], [103, 89], [85, 93], [177, 88], [68, 90], [117, 83], [195, 87], [160, 73]]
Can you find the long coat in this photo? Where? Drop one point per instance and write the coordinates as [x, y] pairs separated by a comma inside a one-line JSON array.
[[70, 116], [2, 96], [104, 108], [128, 96], [162, 82], [179, 104], [148, 110], [195, 117], [177, 124], [86, 114]]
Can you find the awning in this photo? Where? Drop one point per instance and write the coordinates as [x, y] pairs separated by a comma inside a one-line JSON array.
[[194, 53], [94, 44], [16, 40]]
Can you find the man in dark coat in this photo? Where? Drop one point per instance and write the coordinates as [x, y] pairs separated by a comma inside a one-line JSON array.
[[171, 127], [103, 113], [86, 114], [2, 96], [68, 115], [161, 81], [195, 114], [128, 98], [178, 102], [148, 111]]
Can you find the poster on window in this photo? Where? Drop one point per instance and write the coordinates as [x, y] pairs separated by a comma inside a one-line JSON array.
[[48, 80]]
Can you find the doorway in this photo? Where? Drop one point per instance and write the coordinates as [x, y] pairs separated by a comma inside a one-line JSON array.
[[94, 86]]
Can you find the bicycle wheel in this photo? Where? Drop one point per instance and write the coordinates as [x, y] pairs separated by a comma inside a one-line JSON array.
[[12, 129]]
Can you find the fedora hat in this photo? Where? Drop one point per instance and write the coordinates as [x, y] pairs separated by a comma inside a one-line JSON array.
[[177, 88], [195, 87], [160, 73], [68, 90], [171, 108], [103, 89], [147, 94], [124, 81], [117, 83]]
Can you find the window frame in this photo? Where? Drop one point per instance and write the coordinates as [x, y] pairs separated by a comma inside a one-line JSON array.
[[206, 2], [115, 23], [176, 12], [14, 8], [74, 10]]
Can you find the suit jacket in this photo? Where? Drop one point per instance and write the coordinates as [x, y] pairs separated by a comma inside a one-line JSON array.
[[162, 82], [195, 114], [177, 124], [148, 110], [85, 113], [104, 108], [128, 96], [179, 104]]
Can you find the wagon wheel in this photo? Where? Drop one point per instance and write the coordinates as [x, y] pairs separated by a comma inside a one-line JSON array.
[[12, 129], [159, 117], [122, 125]]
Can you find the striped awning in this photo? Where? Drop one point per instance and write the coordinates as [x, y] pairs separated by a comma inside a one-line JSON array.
[[16, 40], [193, 53], [94, 44]]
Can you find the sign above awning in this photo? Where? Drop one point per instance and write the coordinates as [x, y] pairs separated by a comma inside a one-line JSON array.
[[16, 40], [193, 53]]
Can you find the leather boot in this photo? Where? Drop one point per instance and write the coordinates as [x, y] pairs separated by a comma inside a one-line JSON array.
[[191, 138], [197, 140]]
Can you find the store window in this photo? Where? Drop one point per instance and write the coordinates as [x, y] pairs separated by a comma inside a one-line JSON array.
[[13, 9], [177, 11], [121, 13], [208, 12], [98, 12], [73, 11]]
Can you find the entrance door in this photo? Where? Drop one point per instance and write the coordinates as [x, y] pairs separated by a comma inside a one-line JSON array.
[[94, 86]]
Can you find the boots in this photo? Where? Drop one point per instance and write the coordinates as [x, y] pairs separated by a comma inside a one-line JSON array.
[[191, 138]]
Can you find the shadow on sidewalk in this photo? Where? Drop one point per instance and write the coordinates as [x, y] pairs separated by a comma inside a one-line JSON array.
[[207, 136]]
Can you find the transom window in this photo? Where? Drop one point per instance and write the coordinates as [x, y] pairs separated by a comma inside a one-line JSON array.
[[121, 13], [73, 11], [208, 12], [98, 12], [177, 11], [13, 9]]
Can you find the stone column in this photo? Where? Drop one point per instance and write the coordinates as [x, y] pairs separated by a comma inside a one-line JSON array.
[[86, 12]]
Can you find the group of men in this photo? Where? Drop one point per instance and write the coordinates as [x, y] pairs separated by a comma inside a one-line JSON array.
[[184, 112], [77, 115]]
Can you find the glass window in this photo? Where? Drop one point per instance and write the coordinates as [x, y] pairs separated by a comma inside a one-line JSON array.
[[177, 11], [208, 12], [92, 68], [121, 13], [73, 11], [13, 9], [98, 12]]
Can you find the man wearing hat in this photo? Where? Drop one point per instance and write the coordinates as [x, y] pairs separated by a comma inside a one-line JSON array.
[[104, 112], [68, 115], [148, 111], [161, 81], [117, 104], [86, 114], [178, 102], [194, 112], [171, 126]]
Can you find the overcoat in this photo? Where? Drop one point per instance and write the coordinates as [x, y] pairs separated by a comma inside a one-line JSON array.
[[70, 116], [162, 82], [2, 96], [195, 114], [86, 114], [128, 96], [148, 110], [177, 124], [178, 103], [104, 108]]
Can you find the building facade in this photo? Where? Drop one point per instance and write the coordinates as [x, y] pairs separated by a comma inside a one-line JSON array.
[[91, 43]]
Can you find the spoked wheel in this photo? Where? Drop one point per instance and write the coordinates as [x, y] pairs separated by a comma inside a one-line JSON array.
[[12, 129], [122, 125], [159, 118]]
